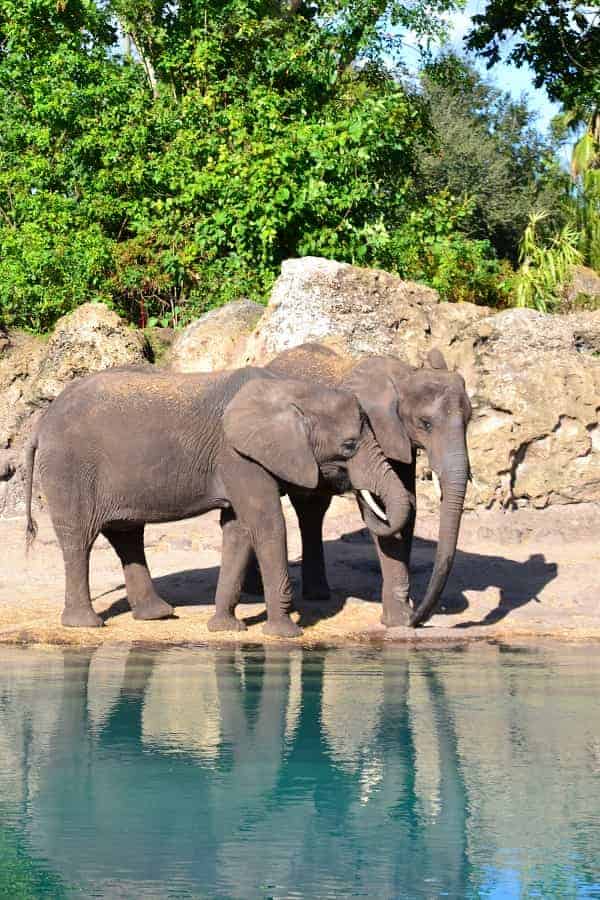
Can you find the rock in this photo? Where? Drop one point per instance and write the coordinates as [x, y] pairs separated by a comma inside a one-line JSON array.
[[534, 380], [89, 339], [583, 290], [19, 364], [160, 341], [4, 338], [216, 339], [357, 311], [33, 371]]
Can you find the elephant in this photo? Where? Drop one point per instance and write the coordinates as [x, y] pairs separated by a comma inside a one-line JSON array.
[[407, 408], [124, 447]]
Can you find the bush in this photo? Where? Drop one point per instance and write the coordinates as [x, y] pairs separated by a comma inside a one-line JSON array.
[[432, 247]]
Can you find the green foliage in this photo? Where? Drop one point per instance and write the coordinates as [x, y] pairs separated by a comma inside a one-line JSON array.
[[432, 246], [487, 144], [585, 168], [166, 157], [544, 270]]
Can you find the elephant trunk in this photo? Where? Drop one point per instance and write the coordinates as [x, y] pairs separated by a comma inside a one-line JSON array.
[[385, 504], [453, 474]]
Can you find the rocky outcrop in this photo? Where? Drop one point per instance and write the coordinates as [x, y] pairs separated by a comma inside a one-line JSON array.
[[356, 310], [534, 379], [89, 339], [33, 371], [583, 289], [216, 339]]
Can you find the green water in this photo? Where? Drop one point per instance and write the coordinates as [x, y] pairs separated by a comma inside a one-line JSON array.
[[251, 772]]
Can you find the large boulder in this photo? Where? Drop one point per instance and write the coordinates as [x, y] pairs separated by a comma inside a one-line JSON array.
[[534, 380], [91, 338], [216, 339], [357, 311], [33, 371], [583, 289]]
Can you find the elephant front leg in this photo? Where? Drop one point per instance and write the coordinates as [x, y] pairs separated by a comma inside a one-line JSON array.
[[235, 558], [311, 512], [254, 495], [270, 546], [394, 558]]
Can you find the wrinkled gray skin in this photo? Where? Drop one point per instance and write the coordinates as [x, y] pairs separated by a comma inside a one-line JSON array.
[[408, 409], [124, 447]]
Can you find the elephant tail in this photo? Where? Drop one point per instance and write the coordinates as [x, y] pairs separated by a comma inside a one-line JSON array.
[[31, 528]]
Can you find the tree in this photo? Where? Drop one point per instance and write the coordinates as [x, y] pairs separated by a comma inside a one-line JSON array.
[[559, 39], [159, 155], [488, 146]]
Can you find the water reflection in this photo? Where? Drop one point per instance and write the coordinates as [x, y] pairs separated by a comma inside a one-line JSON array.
[[243, 772]]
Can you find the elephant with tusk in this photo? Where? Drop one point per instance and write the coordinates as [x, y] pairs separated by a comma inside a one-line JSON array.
[[125, 447], [407, 408]]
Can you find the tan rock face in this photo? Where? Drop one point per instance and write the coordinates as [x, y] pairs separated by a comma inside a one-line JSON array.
[[33, 371], [89, 339], [215, 339], [535, 386], [534, 379], [584, 281], [357, 310]]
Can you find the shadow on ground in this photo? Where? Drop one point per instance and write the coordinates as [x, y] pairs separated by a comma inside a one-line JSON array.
[[353, 571]]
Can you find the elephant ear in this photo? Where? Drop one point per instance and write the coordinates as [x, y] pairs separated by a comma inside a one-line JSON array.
[[263, 423], [371, 382]]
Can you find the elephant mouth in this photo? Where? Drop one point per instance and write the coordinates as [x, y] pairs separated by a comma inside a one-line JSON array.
[[371, 503]]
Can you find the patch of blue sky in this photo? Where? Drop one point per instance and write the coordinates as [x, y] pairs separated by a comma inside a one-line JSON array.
[[516, 82]]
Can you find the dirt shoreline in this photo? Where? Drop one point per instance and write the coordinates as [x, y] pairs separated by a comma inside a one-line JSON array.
[[518, 575]]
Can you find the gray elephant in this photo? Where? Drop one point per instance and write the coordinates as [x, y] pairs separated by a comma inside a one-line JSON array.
[[125, 447], [407, 408]]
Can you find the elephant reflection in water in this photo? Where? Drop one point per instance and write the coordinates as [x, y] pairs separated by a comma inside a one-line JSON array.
[[196, 766], [234, 769]]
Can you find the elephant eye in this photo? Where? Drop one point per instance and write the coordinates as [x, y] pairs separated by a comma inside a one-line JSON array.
[[426, 424], [349, 447]]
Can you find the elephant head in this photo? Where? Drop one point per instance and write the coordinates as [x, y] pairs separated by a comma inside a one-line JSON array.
[[315, 437], [424, 408]]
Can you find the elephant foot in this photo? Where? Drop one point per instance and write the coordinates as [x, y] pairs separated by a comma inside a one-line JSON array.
[[80, 617], [282, 627], [155, 608], [399, 615], [224, 622]]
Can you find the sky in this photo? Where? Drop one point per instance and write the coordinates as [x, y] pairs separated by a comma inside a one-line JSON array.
[[515, 81]]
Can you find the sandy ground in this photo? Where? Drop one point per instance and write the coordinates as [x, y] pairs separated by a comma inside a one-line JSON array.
[[524, 573]]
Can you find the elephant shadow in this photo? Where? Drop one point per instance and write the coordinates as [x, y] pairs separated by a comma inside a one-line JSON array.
[[353, 571], [519, 583]]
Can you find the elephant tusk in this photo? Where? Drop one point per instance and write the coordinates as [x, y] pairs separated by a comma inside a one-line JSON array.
[[437, 486], [373, 506]]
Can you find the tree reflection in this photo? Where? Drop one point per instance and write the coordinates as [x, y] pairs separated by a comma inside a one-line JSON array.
[[254, 771]]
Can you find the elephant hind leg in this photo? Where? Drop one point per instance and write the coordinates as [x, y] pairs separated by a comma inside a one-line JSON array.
[[311, 512], [78, 611], [143, 599], [236, 556]]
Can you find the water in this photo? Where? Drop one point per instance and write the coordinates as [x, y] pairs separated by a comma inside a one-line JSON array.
[[251, 772]]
